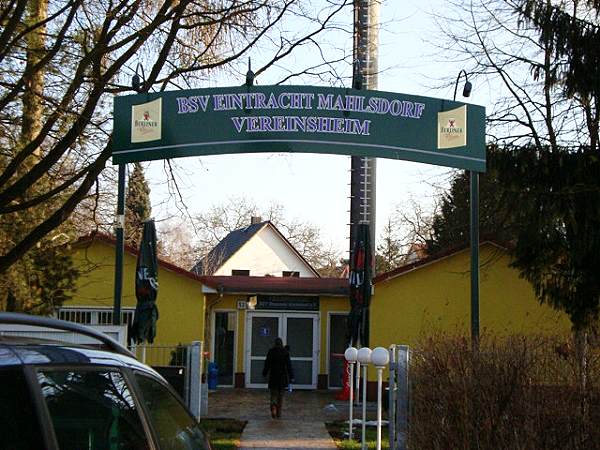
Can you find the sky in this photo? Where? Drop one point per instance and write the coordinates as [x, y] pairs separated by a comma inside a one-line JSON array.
[[315, 188]]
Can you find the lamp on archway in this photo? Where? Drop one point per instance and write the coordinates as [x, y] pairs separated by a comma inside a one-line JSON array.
[[466, 88]]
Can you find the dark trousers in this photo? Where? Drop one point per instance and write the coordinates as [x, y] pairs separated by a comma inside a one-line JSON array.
[[277, 399]]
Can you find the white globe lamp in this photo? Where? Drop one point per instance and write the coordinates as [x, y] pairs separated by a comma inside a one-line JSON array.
[[380, 357], [364, 356], [351, 354]]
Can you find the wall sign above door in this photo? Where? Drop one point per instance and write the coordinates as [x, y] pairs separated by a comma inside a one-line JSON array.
[[287, 303]]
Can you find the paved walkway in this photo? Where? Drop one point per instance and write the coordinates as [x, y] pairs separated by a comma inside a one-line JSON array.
[[286, 434], [302, 425]]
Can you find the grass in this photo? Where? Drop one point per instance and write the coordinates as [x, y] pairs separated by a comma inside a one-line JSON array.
[[338, 428], [224, 434]]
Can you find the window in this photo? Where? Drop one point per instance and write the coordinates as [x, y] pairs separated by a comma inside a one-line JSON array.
[[291, 273], [19, 428], [174, 427], [92, 410], [243, 273]]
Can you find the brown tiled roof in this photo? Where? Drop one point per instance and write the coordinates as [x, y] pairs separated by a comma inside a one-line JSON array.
[[107, 239], [277, 285], [430, 260]]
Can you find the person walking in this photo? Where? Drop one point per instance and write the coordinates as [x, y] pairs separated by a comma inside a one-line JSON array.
[[278, 367]]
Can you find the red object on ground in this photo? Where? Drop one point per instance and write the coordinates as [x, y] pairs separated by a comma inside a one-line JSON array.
[[345, 392]]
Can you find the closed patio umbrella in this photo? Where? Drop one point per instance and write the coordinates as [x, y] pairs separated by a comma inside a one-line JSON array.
[[360, 288], [146, 288]]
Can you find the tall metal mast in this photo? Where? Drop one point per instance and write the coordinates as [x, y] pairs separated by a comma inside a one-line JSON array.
[[363, 170]]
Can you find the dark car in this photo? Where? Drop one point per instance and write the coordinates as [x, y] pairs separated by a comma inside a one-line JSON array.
[[55, 395]]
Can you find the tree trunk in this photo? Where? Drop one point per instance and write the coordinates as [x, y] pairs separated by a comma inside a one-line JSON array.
[[581, 351], [37, 11]]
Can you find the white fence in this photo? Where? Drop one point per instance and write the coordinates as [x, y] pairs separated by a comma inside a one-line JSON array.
[[161, 355]]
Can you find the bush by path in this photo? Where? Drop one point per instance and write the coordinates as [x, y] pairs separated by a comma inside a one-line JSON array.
[[515, 393]]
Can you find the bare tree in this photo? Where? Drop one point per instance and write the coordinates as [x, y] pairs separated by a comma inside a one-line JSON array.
[[406, 235], [73, 56], [503, 51], [176, 243]]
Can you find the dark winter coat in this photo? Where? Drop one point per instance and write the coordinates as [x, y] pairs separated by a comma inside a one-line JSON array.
[[278, 367]]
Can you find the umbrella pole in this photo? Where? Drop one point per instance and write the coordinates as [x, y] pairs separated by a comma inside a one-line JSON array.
[[120, 245]]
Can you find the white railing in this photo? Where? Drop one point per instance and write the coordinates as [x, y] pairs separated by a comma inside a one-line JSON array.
[[161, 355]]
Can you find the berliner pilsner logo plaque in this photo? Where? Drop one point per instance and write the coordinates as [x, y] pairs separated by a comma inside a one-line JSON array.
[[452, 128], [146, 121]]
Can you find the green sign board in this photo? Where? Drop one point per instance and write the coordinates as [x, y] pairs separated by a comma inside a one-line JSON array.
[[306, 119]]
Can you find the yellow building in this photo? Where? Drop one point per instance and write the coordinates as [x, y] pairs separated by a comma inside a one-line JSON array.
[[247, 313], [434, 294], [243, 314], [180, 305]]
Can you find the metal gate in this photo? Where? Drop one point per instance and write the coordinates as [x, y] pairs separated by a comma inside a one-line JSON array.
[[187, 360], [399, 400]]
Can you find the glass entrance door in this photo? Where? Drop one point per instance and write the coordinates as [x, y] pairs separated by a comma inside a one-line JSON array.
[[224, 345], [263, 331], [300, 336], [298, 330], [337, 347]]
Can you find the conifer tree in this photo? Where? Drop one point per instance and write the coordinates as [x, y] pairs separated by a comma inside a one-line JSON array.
[[450, 226], [545, 126], [137, 206]]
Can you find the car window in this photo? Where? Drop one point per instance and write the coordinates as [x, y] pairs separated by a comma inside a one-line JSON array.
[[92, 410], [175, 428], [19, 427]]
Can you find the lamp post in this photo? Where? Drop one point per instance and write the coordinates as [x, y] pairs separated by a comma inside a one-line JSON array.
[[351, 355], [364, 358], [380, 358], [357, 384], [138, 85], [474, 231]]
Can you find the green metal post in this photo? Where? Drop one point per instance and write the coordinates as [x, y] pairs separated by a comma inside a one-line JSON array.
[[120, 245], [474, 177]]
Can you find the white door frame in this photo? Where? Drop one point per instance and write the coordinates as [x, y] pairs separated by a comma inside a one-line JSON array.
[[281, 332]]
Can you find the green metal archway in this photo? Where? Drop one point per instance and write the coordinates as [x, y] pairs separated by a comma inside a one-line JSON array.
[[307, 119]]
